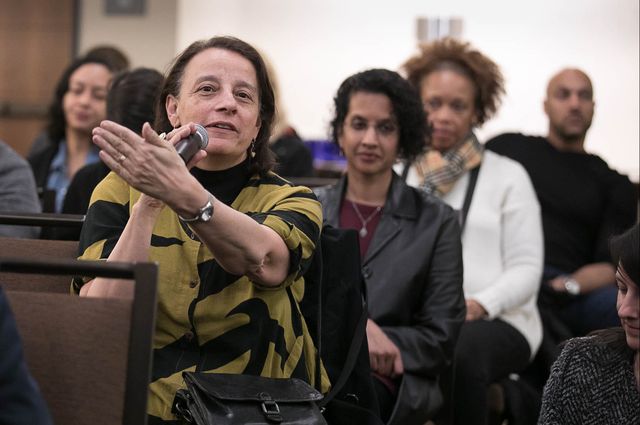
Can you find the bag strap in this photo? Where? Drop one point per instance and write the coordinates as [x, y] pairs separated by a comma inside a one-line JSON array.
[[318, 371], [352, 356], [405, 170], [473, 178]]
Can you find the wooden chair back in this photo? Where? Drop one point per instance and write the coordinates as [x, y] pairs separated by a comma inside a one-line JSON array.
[[36, 249], [53, 225], [90, 356]]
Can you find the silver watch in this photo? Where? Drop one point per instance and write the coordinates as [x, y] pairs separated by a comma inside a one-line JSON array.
[[572, 286], [204, 214]]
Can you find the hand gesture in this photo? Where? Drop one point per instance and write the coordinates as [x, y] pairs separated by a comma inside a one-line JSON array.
[[384, 355], [147, 162]]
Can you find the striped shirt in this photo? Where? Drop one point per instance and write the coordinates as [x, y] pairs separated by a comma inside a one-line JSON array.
[[207, 318]]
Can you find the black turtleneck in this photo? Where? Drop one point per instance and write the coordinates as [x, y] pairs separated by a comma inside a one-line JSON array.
[[225, 185]]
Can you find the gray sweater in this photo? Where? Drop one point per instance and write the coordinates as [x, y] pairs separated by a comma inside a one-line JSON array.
[[17, 191], [590, 383]]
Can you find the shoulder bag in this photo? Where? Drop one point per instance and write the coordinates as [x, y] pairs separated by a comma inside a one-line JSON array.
[[230, 399]]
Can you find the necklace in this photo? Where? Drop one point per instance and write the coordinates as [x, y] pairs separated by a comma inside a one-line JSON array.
[[363, 230]]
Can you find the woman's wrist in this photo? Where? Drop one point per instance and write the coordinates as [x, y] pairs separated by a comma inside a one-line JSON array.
[[146, 212], [189, 201]]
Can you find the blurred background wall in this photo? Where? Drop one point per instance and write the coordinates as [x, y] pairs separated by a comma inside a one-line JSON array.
[[315, 44]]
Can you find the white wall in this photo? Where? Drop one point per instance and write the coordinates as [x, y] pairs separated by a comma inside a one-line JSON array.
[[315, 44], [149, 40]]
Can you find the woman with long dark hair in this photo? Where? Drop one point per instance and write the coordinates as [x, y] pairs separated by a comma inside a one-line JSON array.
[[78, 106]]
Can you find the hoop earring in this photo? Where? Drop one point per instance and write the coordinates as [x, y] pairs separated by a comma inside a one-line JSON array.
[[252, 149]]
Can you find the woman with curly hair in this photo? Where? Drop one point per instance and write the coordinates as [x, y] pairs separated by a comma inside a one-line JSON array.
[[409, 244], [502, 233]]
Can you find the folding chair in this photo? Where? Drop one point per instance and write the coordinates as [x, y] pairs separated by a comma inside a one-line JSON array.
[[36, 249], [90, 356]]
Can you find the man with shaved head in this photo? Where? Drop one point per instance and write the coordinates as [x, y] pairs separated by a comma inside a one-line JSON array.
[[583, 201], [569, 106]]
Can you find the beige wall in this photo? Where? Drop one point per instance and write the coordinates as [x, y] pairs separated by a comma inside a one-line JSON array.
[[148, 40], [315, 44]]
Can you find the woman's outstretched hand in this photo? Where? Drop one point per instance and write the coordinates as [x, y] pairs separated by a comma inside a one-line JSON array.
[[148, 162]]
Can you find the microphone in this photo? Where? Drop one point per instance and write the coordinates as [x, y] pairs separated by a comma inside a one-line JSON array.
[[191, 145]]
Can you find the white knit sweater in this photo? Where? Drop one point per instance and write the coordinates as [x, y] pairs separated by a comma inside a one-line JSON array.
[[502, 244]]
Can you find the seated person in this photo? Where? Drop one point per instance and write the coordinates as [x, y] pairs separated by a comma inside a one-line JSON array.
[[409, 244], [596, 379], [231, 238], [17, 192], [130, 102], [502, 234], [293, 157], [583, 203], [118, 60], [78, 106]]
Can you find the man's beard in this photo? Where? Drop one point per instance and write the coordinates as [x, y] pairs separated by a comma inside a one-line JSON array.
[[572, 136]]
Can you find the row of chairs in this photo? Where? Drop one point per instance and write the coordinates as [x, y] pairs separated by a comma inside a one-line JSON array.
[[91, 357]]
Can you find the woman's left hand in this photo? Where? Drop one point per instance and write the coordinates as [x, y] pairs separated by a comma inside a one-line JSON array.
[[475, 311], [148, 163], [384, 356]]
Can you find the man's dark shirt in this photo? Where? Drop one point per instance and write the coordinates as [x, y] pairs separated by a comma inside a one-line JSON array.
[[583, 201]]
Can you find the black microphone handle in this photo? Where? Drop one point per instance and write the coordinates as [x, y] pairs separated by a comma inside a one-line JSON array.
[[188, 147]]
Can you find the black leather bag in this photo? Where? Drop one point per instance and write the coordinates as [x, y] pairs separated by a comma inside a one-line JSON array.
[[229, 399]]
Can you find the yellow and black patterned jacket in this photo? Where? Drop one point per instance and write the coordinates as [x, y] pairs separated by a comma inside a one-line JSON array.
[[208, 319]]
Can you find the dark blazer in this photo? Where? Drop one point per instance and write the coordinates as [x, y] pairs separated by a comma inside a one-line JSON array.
[[413, 274], [40, 158]]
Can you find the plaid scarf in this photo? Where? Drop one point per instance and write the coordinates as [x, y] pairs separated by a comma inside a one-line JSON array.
[[440, 172]]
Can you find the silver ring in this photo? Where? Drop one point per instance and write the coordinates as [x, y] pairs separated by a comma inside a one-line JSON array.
[[121, 159]]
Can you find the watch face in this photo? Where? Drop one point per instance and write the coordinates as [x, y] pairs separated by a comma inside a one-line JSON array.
[[572, 287], [206, 212]]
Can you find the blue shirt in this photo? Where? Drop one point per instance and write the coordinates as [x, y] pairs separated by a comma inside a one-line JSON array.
[[58, 179]]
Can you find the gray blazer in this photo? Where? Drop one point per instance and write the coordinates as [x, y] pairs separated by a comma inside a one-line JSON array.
[[17, 192], [413, 275]]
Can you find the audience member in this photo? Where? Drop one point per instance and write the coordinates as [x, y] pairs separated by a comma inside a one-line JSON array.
[[502, 238], [77, 107], [409, 244], [20, 399], [583, 203], [596, 379], [17, 191], [130, 101], [116, 58], [232, 238], [293, 157]]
